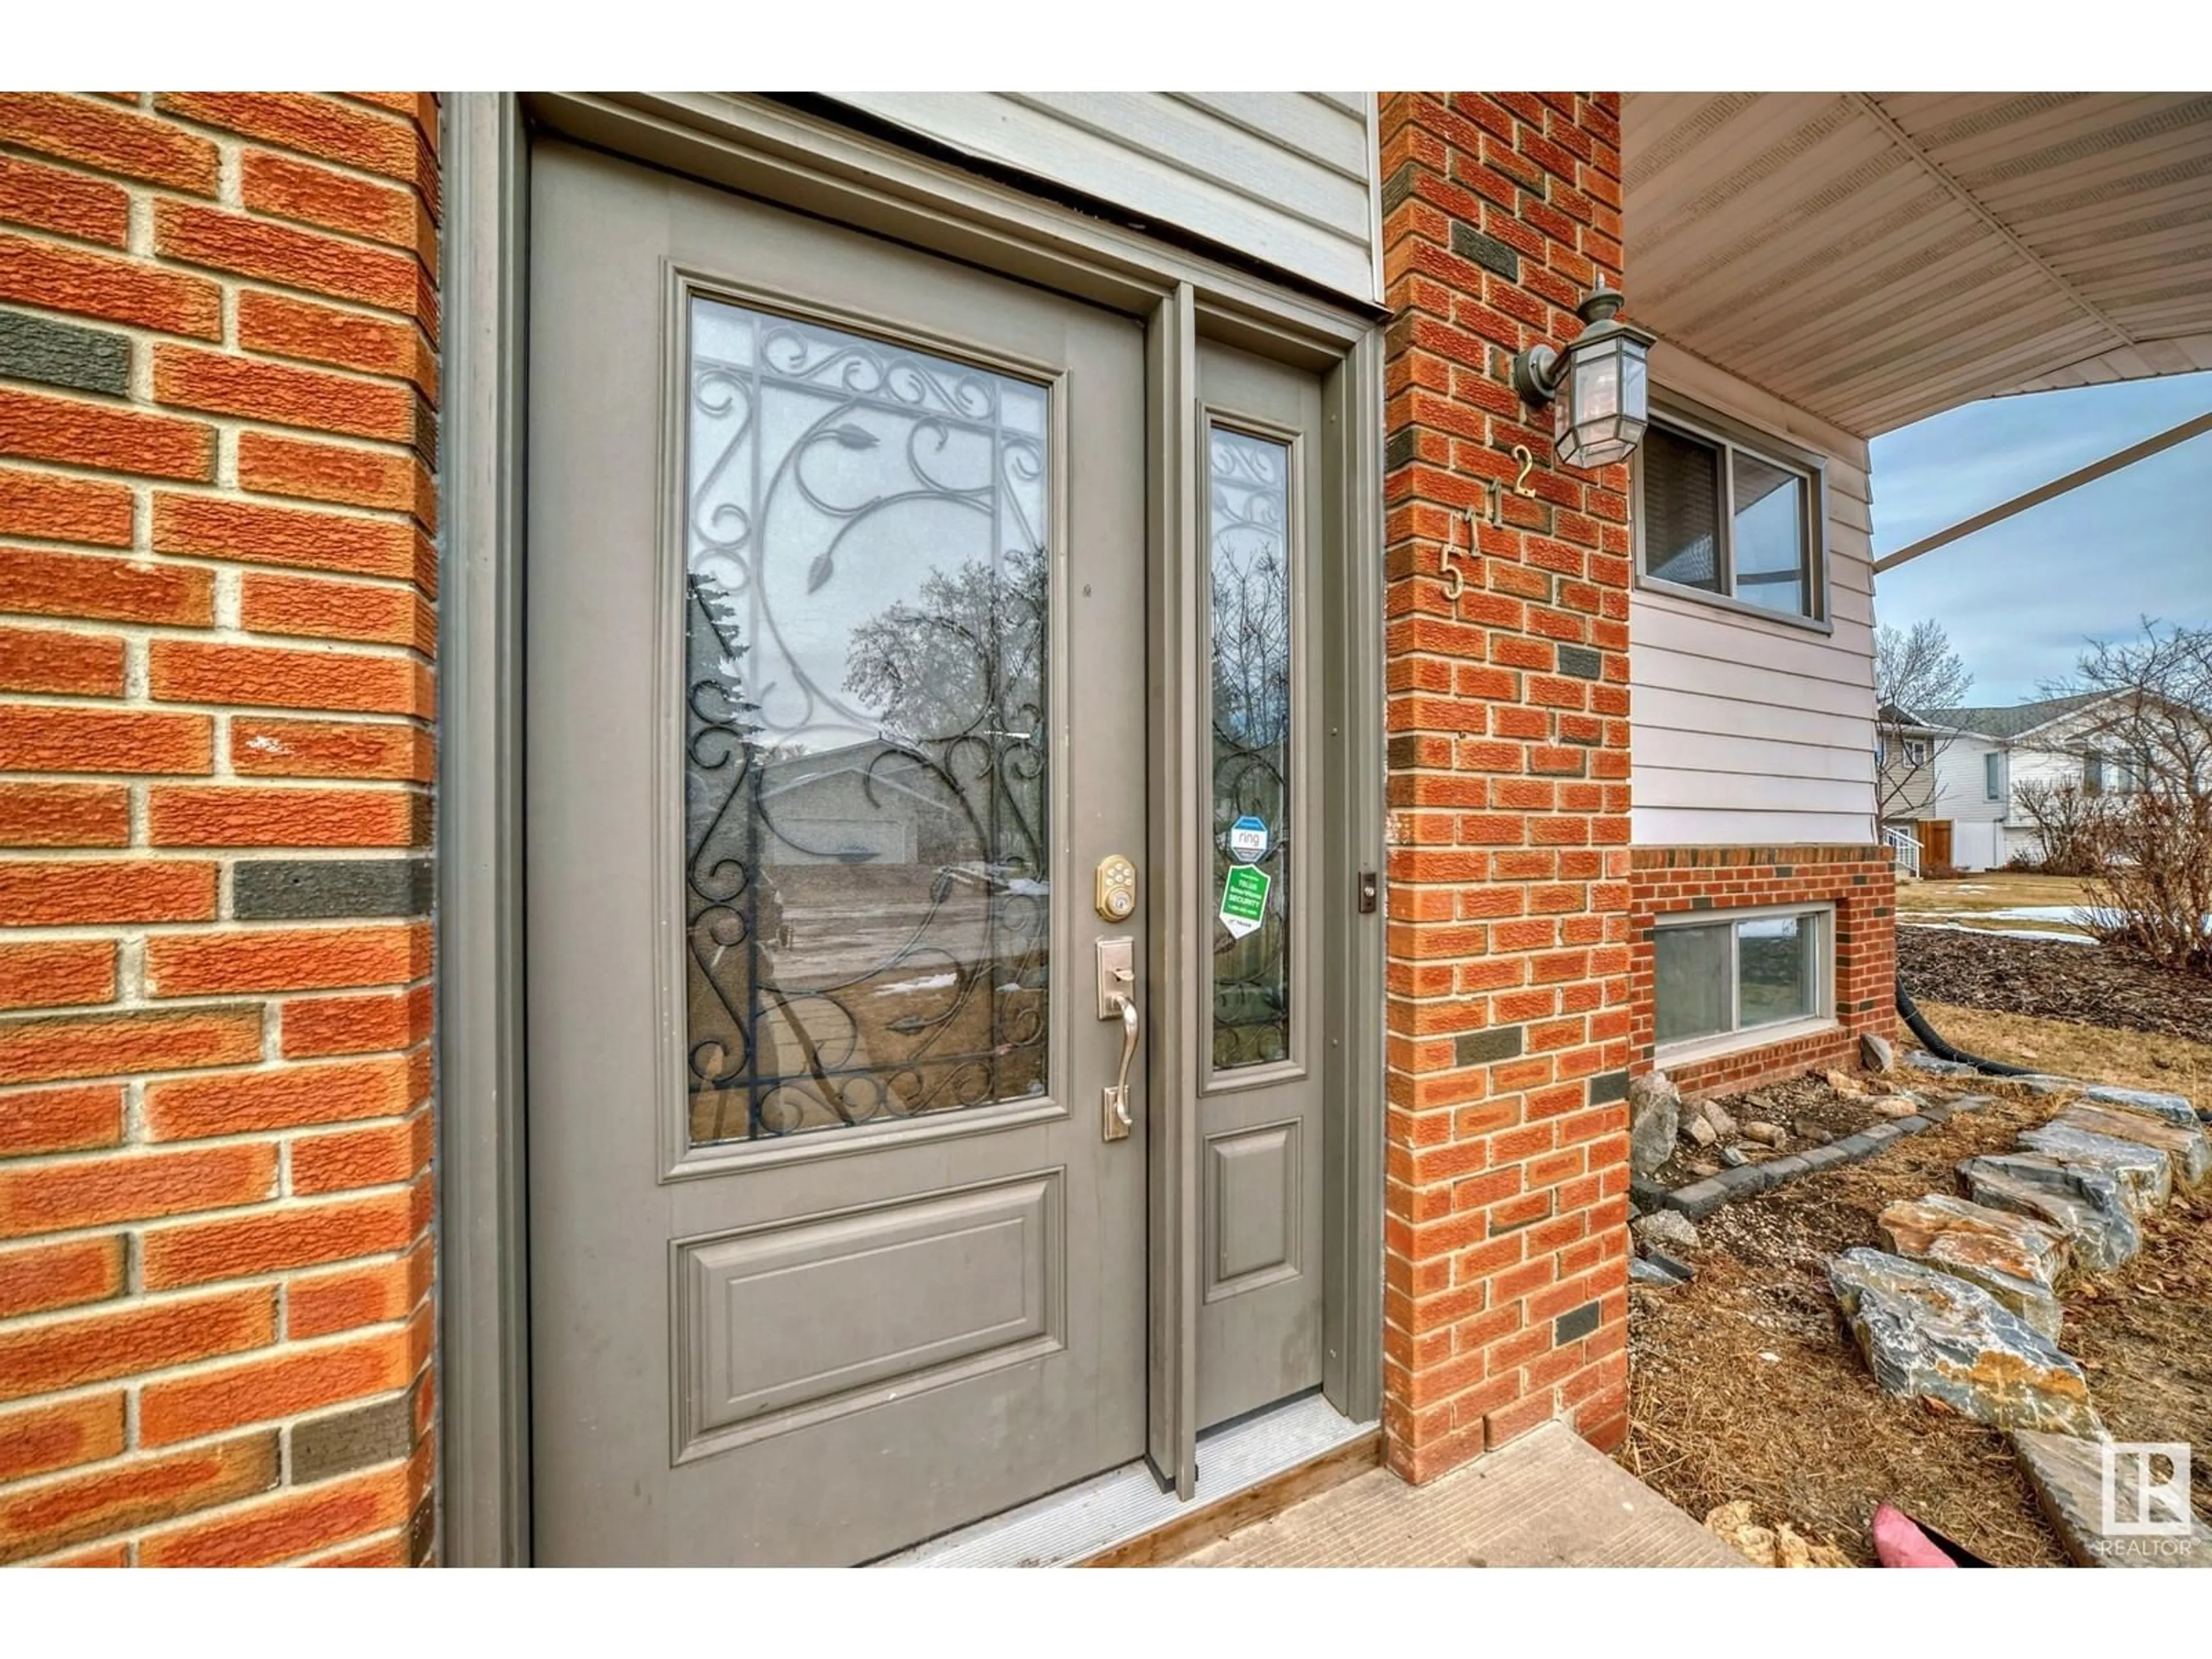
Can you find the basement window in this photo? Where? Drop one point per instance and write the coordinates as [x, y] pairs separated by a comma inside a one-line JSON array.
[[1727, 516], [1744, 978]]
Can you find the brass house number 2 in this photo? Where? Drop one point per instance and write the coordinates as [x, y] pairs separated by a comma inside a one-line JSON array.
[[1448, 557]]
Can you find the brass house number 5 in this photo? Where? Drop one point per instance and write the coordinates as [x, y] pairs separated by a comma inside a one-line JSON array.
[[1449, 556]]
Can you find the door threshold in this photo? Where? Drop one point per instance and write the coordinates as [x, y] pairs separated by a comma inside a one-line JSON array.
[[1111, 1519]]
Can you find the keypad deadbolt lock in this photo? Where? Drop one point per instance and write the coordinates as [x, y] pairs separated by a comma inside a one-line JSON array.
[[1117, 889]]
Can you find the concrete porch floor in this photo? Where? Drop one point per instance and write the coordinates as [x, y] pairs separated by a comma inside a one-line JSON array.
[[1548, 1500]]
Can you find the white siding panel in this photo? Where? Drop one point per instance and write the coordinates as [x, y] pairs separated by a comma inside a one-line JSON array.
[[1743, 730], [1666, 826], [1285, 178]]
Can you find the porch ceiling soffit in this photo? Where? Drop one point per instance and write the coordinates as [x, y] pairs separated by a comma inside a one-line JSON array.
[[1876, 257]]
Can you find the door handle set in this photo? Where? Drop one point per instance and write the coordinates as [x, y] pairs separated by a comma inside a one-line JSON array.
[[1118, 1000]]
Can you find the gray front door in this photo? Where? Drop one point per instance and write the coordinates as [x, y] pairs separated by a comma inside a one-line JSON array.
[[835, 706]]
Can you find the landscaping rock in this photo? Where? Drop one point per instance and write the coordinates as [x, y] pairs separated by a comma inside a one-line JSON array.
[[1816, 1134], [2040, 1084], [2068, 1478], [1920, 1061], [1875, 1053], [1896, 1106], [1717, 1115], [1667, 1229], [1641, 1272], [1699, 1132], [2145, 1173], [1680, 1271], [1655, 1106], [1733, 1158], [1700, 1198], [1843, 1082], [2188, 1147], [1927, 1335], [2173, 1108], [1766, 1134], [1972, 1103], [2086, 1204], [2015, 1258]]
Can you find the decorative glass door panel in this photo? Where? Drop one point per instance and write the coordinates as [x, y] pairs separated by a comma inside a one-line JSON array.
[[867, 868]]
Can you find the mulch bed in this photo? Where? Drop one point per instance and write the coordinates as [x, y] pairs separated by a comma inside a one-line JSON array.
[[1745, 1384], [2092, 985], [2144, 1334]]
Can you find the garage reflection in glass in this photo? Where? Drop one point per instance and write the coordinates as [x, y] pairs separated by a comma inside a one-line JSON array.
[[866, 867]]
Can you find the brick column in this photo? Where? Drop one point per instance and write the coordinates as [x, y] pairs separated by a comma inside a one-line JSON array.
[[1505, 1245], [218, 366]]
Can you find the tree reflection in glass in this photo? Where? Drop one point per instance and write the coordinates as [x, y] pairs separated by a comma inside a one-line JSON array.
[[1248, 567], [866, 780]]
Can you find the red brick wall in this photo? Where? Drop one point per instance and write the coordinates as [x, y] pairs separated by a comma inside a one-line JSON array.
[[1505, 1294], [1859, 881], [218, 374]]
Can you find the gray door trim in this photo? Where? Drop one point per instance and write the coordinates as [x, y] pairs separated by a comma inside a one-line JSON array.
[[773, 152], [483, 1335], [1177, 757]]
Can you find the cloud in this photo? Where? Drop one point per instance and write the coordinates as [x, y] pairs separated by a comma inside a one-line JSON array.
[[2021, 598]]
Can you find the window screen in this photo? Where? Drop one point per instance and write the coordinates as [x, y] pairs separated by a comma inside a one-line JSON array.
[[1681, 509]]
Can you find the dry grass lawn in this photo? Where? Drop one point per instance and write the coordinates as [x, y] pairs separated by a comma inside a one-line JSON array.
[[2096, 1054], [1990, 889]]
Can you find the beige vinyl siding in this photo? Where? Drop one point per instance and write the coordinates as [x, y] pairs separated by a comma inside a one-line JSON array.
[[1285, 178], [1743, 730]]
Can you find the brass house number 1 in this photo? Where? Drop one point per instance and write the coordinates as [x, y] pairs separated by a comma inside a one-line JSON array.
[[1448, 557]]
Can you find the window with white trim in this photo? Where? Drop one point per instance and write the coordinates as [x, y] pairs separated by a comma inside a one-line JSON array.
[[1717, 976], [1993, 776], [1916, 752], [1721, 515]]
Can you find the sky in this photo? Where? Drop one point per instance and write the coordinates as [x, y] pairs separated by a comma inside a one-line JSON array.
[[2020, 598]]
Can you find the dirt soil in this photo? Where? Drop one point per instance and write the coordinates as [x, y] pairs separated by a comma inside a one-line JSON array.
[[1745, 1384], [2093, 985]]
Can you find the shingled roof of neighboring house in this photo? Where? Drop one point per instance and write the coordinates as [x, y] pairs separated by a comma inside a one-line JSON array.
[[2014, 718]]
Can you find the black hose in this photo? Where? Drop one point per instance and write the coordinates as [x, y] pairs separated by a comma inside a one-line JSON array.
[[1935, 1044]]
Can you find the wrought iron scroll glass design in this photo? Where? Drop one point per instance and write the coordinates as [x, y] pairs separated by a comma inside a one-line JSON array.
[[1248, 564], [866, 868]]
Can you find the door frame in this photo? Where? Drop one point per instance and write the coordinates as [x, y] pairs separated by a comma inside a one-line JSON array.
[[772, 151]]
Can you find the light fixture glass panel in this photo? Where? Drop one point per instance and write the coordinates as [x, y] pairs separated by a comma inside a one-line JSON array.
[[1770, 535], [1636, 386]]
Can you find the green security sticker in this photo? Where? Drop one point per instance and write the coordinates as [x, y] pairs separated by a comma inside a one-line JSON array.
[[1244, 899]]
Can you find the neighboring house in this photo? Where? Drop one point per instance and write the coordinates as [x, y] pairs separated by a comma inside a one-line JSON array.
[[1207, 1049], [1969, 817]]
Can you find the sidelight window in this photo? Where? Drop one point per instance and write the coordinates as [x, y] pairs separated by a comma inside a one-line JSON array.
[[1249, 564]]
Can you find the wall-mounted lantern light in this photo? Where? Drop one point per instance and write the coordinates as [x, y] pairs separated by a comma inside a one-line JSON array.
[[1601, 384]]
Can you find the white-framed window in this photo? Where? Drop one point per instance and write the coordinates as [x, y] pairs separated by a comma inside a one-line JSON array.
[[1727, 515], [2093, 774], [1993, 776], [1916, 751], [1736, 978]]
